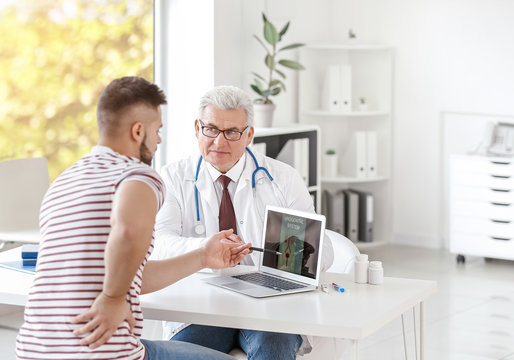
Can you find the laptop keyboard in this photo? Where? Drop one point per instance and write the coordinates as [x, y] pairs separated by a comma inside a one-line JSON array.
[[269, 281]]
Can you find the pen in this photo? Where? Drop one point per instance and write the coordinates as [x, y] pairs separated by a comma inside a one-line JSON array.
[[337, 287], [265, 250]]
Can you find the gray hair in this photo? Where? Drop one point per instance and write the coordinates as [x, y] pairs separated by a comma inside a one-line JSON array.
[[227, 98]]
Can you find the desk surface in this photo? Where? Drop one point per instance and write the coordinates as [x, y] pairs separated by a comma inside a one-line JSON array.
[[355, 314]]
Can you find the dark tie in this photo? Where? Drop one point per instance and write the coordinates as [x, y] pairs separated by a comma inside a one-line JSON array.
[[227, 218]]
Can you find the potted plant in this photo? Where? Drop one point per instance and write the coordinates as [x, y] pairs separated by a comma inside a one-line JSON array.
[[272, 83], [363, 104], [330, 162]]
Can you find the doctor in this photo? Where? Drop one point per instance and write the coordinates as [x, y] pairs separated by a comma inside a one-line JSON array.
[[191, 211]]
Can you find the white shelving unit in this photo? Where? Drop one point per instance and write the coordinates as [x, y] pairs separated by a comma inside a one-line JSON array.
[[372, 73], [275, 138]]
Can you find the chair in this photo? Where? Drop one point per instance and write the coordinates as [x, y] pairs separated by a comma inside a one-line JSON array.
[[345, 252], [23, 183]]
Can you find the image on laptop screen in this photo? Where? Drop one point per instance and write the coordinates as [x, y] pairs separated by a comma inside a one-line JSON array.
[[297, 239]]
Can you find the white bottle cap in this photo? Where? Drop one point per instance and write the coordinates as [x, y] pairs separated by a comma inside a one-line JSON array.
[[362, 257], [375, 264]]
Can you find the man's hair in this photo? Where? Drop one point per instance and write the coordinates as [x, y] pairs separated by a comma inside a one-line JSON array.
[[123, 93], [227, 98]]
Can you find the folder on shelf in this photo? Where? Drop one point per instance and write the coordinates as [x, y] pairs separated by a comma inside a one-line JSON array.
[[371, 154], [354, 158], [337, 91], [351, 201], [337, 211], [365, 215], [295, 152]]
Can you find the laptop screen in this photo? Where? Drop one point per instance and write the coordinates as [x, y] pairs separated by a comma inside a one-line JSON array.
[[297, 239]]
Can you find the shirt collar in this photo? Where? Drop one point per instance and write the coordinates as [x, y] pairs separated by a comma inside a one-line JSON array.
[[234, 173]]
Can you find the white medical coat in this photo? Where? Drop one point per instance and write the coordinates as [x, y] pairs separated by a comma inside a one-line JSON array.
[[175, 225]]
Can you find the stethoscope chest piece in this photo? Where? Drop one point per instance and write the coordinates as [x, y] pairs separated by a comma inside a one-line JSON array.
[[199, 229]]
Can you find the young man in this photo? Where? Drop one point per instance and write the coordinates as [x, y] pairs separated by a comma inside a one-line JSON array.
[[96, 223], [198, 190]]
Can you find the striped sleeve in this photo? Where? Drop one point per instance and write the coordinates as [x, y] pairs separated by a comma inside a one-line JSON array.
[[144, 173]]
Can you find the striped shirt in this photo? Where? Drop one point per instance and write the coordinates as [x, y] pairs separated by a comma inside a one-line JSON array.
[[75, 226]]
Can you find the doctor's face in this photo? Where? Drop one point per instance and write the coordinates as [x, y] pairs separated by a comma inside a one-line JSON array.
[[221, 153]]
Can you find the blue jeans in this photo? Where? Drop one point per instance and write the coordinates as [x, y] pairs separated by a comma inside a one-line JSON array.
[[164, 350], [258, 345]]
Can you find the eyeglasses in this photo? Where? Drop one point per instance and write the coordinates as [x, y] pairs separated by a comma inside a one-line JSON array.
[[213, 132]]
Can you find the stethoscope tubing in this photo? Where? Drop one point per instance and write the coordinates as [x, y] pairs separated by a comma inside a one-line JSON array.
[[257, 169]]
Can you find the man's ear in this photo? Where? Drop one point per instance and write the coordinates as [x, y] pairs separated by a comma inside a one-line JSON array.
[[137, 132], [250, 136], [197, 127]]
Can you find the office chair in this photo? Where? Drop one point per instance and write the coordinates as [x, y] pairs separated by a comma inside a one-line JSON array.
[[345, 252], [23, 183]]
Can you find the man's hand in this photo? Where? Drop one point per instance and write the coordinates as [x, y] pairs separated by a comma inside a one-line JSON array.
[[224, 249], [103, 318]]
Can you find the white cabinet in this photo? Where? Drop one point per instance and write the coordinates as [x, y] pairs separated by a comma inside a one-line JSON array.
[[371, 78], [481, 206]]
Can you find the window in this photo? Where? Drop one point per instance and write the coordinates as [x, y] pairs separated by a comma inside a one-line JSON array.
[[57, 57]]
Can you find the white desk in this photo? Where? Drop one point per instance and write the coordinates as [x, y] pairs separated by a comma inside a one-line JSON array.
[[357, 313]]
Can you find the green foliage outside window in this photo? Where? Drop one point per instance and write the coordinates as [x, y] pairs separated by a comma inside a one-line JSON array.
[[56, 58]]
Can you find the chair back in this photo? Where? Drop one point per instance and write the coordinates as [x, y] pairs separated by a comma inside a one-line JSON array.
[[23, 183], [345, 252]]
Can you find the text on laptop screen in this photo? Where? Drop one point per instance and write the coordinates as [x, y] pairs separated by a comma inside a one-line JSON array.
[[297, 239]]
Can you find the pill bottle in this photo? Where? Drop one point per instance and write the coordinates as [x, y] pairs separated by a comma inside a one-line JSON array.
[[376, 273], [361, 269]]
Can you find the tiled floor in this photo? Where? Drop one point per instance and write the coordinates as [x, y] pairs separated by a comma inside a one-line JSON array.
[[471, 317]]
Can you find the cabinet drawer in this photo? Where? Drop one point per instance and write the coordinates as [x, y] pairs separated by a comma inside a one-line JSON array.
[[495, 181], [496, 229], [481, 209], [483, 165], [480, 193], [481, 245]]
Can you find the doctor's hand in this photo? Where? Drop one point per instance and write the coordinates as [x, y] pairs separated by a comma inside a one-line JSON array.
[[102, 319], [224, 249]]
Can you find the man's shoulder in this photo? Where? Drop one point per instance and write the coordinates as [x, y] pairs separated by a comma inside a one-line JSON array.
[[181, 168]]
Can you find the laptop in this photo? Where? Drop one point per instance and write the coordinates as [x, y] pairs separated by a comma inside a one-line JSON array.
[[291, 262]]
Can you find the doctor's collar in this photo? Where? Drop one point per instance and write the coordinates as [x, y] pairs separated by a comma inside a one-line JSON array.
[[234, 173]]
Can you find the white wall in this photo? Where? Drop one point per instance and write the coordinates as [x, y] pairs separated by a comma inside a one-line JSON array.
[[449, 55]]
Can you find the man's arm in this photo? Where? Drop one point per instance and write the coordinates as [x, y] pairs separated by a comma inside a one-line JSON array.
[[132, 220], [222, 250]]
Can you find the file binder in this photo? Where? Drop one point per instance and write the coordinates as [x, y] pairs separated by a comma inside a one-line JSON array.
[[337, 91], [338, 212], [371, 154], [354, 158], [351, 215], [295, 152], [365, 215]]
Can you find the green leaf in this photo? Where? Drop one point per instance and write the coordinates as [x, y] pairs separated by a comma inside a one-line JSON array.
[[256, 89], [270, 33], [280, 73], [292, 46], [269, 61], [283, 31], [258, 76], [282, 85], [292, 64], [258, 84], [274, 82], [275, 91], [264, 18], [266, 93], [262, 43]]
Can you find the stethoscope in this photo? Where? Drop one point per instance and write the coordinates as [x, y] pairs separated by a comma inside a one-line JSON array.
[[199, 227]]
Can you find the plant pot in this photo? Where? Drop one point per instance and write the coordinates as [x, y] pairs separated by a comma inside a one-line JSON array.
[[263, 114], [363, 107], [330, 164]]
